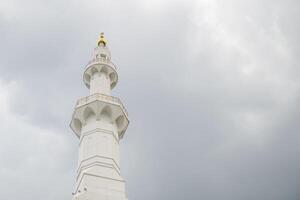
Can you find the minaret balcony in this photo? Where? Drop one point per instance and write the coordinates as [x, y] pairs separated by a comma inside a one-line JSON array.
[[101, 61], [97, 104], [100, 65], [101, 97]]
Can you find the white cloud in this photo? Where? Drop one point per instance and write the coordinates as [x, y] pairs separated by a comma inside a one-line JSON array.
[[30, 154], [212, 90]]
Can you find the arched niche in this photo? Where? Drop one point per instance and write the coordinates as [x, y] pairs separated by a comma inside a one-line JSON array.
[[120, 121], [89, 114], [106, 114], [104, 70], [94, 71], [113, 76], [87, 77], [77, 125]]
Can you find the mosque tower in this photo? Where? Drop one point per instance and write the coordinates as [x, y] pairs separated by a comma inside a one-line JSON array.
[[99, 121]]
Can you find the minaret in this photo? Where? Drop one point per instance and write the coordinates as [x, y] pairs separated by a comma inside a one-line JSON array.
[[99, 121]]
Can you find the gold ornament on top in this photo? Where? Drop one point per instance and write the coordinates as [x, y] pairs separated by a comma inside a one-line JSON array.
[[102, 40]]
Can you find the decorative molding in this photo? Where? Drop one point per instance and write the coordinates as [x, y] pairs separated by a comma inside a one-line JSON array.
[[97, 130], [97, 163], [104, 177], [98, 157]]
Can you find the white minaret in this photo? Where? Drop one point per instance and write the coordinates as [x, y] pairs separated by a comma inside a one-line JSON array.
[[99, 121]]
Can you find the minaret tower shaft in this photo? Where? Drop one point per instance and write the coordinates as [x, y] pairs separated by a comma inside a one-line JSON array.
[[99, 121]]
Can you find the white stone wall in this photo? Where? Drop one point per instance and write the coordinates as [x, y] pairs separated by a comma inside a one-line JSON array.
[[99, 160], [100, 83], [98, 171]]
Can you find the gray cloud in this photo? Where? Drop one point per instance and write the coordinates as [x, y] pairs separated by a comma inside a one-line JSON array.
[[211, 87]]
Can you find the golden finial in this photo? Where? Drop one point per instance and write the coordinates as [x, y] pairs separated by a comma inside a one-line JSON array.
[[102, 40]]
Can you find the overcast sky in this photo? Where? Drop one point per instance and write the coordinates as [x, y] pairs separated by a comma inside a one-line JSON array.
[[211, 87]]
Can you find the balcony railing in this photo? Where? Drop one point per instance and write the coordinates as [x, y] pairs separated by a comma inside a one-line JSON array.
[[101, 60], [101, 97]]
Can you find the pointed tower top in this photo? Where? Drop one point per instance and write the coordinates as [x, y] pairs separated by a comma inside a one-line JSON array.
[[102, 40]]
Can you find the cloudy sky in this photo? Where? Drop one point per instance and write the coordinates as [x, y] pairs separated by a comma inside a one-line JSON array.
[[212, 89]]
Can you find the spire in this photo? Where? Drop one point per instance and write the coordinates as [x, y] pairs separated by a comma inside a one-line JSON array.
[[102, 40], [102, 119]]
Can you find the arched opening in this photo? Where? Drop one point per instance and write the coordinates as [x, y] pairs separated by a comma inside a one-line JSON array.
[[89, 114], [94, 71], [77, 125], [106, 114], [87, 77], [103, 70], [112, 77], [120, 121]]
